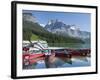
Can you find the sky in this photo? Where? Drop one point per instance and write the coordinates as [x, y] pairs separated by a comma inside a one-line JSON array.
[[81, 20]]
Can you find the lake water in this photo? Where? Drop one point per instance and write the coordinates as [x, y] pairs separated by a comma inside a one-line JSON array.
[[71, 45], [62, 64]]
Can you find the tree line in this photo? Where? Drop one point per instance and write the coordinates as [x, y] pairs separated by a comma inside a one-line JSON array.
[[30, 28]]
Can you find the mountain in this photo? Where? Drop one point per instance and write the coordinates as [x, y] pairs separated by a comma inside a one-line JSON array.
[[60, 28], [32, 30]]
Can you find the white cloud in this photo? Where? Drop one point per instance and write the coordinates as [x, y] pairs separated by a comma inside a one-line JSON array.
[[43, 25]]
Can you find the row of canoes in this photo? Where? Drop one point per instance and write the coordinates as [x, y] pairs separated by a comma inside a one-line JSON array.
[[32, 58]]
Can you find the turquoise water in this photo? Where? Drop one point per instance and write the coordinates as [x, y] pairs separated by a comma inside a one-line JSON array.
[[71, 45]]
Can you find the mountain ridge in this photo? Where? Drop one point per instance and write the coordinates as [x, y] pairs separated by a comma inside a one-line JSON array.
[[59, 27]]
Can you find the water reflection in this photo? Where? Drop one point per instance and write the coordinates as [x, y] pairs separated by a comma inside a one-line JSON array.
[[58, 62]]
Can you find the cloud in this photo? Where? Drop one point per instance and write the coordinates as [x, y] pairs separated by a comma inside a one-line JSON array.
[[43, 25]]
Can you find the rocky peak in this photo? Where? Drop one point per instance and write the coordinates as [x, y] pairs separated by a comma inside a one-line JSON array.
[[59, 27]]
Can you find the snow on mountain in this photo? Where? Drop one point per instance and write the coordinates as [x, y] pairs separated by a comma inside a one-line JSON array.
[[60, 28]]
